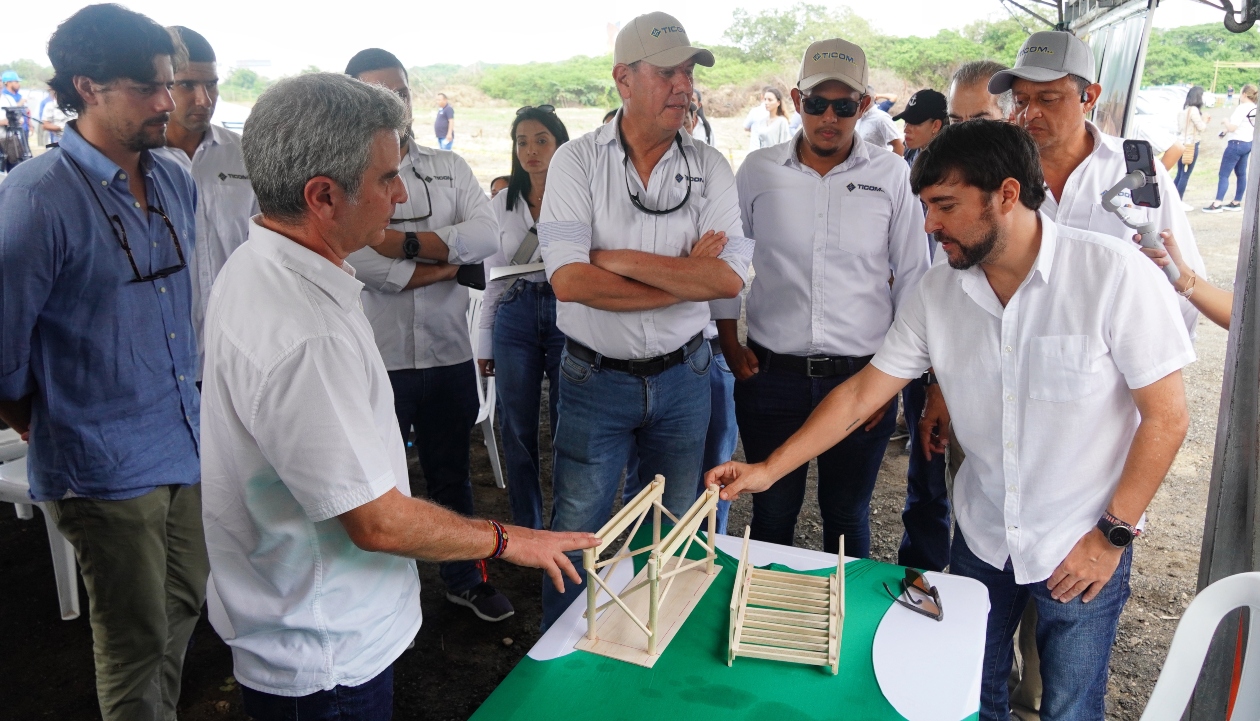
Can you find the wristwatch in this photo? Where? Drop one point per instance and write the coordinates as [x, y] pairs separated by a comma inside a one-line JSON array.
[[1118, 533], [411, 245]]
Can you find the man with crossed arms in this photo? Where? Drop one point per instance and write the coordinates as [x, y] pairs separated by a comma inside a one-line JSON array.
[[639, 228]]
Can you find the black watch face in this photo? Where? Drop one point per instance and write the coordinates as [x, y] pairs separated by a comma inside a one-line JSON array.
[[1120, 536]]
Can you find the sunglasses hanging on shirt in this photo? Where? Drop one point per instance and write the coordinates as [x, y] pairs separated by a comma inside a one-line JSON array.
[[817, 105], [428, 199], [634, 197]]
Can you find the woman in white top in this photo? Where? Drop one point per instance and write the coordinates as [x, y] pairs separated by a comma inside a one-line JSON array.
[[774, 129], [1239, 129], [519, 340], [1193, 122], [702, 130]]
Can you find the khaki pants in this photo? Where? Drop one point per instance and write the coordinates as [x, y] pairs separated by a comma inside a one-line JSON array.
[[145, 567], [1025, 680]]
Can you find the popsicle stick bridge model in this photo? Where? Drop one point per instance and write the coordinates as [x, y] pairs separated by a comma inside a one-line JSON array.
[[655, 604], [789, 617]]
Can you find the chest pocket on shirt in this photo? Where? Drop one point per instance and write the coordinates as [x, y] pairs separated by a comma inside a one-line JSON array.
[[682, 227], [861, 227], [1059, 368]]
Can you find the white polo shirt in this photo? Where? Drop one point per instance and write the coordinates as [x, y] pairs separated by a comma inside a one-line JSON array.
[[825, 248], [428, 327], [587, 207], [225, 203], [513, 225], [1039, 391], [298, 427], [878, 128], [1081, 207]]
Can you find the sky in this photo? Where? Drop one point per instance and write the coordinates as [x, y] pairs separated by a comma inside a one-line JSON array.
[[279, 37]]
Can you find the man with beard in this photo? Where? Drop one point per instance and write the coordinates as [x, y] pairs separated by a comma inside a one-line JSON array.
[[212, 155], [98, 360], [1059, 352], [419, 316], [832, 216]]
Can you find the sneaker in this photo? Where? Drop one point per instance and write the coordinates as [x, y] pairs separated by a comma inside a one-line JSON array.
[[485, 601], [1234, 207], [1214, 208]]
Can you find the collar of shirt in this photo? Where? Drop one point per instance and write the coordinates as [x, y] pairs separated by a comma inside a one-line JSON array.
[[976, 285], [99, 169], [337, 281], [789, 155], [610, 132]]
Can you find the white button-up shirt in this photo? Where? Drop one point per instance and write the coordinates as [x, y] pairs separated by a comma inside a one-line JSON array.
[[587, 207], [513, 225], [825, 248], [298, 427], [1039, 391], [1081, 207], [225, 203], [878, 128], [428, 327]]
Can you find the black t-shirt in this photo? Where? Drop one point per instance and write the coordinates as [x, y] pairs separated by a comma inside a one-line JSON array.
[[443, 122]]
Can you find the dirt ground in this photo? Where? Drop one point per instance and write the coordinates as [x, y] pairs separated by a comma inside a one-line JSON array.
[[458, 660]]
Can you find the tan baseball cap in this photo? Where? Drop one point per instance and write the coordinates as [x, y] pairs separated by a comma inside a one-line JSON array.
[[660, 40], [833, 59]]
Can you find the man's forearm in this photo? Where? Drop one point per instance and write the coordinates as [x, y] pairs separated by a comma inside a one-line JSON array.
[[728, 335], [693, 279], [1155, 445], [416, 528], [431, 246], [428, 274], [597, 288], [17, 414]]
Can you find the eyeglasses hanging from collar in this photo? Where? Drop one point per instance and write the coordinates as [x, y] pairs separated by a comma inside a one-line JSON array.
[[634, 197], [918, 595], [428, 199], [120, 234]]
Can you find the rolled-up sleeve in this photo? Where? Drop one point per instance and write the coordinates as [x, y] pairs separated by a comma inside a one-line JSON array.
[[476, 236], [904, 353], [379, 273], [722, 213], [908, 254], [28, 268], [565, 223]]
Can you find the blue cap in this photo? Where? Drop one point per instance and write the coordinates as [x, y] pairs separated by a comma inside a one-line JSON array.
[[10, 76]]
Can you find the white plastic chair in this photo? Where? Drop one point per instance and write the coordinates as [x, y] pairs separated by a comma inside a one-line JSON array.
[[14, 489], [485, 391], [1190, 646]]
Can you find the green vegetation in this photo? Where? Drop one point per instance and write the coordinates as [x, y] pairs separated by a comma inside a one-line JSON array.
[[1185, 55], [242, 85], [31, 72], [578, 81]]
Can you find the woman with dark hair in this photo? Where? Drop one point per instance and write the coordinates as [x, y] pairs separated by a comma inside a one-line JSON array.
[[1193, 122], [703, 131], [775, 128], [519, 340]]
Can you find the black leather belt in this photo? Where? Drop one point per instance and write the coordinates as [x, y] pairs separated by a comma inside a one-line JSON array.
[[818, 366], [643, 367]]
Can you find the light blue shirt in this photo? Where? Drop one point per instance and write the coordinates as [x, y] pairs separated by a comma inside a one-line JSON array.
[[111, 364]]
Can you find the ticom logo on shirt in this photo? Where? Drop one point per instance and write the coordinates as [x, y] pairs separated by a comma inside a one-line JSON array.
[[233, 176], [680, 178], [863, 186], [431, 178], [656, 32]]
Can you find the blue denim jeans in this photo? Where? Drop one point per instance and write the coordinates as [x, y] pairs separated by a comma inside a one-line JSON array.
[[925, 542], [1234, 160], [603, 415], [1183, 173], [527, 346], [1074, 639], [719, 442], [444, 144], [770, 407], [441, 404], [370, 701]]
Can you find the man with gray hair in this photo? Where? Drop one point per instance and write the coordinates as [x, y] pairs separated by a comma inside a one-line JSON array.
[[310, 526], [969, 97]]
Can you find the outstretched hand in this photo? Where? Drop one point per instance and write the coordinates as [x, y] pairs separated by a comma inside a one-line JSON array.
[[545, 550], [735, 478]]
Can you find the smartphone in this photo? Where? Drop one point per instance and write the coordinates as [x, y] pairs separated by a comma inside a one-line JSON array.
[[1139, 156]]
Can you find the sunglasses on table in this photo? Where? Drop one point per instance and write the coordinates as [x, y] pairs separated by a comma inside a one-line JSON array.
[[817, 105], [918, 595]]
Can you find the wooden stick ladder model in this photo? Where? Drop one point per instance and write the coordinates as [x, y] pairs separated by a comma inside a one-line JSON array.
[[643, 622], [789, 617]]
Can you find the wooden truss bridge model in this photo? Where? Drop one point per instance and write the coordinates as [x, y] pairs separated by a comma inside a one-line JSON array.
[[655, 604], [786, 616]]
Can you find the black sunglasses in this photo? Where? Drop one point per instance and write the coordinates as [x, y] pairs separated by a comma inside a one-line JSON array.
[[920, 596], [428, 199], [817, 105], [544, 108], [634, 197], [120, 234]]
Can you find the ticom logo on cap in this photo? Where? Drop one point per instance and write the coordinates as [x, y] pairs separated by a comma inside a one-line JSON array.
[[656, 32], [1035, 49], [834, 56]]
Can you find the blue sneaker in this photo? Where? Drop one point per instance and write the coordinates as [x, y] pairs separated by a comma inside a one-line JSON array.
[[485, 601]]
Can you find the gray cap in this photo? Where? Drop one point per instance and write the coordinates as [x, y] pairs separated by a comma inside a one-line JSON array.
[[660, 40], [1046, 57]]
